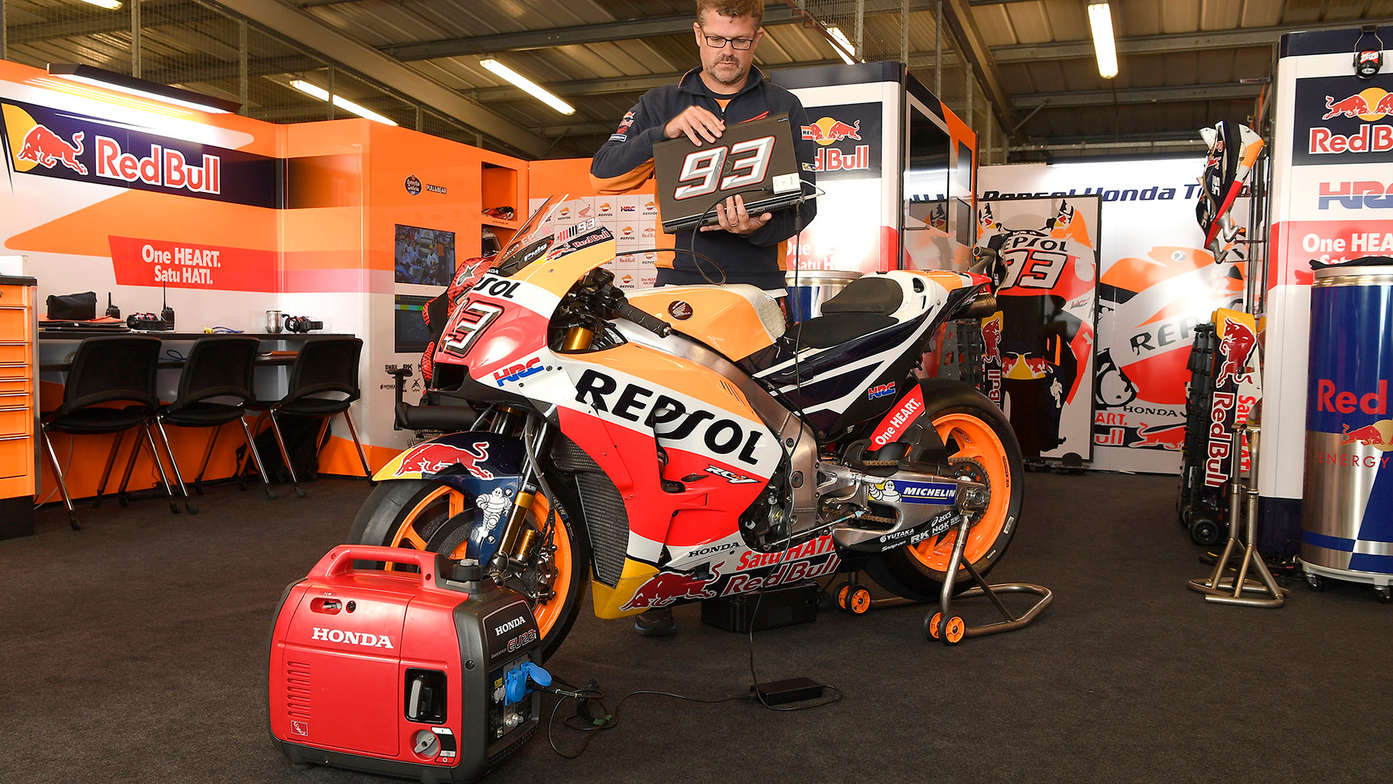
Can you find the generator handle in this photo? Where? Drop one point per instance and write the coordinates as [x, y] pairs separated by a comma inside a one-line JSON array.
[[340, 560]]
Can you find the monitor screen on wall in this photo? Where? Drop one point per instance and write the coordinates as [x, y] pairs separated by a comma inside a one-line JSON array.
[[410, 333], [424, 256]]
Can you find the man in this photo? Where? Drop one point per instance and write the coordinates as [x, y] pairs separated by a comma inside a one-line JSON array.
[[726, 89]]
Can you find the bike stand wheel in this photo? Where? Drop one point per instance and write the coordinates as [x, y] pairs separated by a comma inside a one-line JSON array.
[[858, 600], [932, 624], [839, 596]]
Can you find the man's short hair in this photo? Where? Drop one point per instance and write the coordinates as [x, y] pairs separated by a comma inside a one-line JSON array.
[[732, 8]]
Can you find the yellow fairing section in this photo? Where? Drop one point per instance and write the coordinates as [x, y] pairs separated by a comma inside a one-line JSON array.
[[559, 275], [682, 375], [723, 318], [609, 601]]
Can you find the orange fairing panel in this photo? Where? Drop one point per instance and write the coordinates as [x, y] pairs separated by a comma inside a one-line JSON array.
[[735, 320]]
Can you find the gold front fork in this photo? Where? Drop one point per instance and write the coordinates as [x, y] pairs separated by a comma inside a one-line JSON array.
[[518, 534], [577, 339]]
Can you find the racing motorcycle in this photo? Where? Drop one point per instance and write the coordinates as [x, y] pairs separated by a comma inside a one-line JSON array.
[[680, 443]]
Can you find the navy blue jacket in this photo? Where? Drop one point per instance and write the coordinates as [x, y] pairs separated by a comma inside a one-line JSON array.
[[626, 161]]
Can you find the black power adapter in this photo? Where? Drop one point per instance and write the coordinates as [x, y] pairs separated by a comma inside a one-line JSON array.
[[789, 690]]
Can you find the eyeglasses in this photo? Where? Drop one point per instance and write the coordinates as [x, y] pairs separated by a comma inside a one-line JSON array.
[[720, 41]]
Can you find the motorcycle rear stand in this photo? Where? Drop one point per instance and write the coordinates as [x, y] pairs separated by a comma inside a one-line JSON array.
[[937, 623]]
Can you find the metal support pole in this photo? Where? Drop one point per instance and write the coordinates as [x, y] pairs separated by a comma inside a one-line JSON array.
[[331, 91], [938, 49], [419, 117], [135, 38], [3, 41], [860, 29], [243, 81], [904, 32], [967, 81]]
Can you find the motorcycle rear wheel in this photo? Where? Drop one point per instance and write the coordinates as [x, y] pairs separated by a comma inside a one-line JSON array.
[[422, 514], [981, 446]]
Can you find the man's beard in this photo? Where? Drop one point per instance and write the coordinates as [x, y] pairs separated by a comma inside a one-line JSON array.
[[739, 73]]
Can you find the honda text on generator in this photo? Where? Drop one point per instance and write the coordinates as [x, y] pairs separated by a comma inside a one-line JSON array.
[[421, 674]]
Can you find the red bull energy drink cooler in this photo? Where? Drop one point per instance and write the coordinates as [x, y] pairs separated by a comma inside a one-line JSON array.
[[1347, 500]]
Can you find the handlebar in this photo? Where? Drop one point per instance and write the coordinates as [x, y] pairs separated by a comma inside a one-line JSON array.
[[646, 320]]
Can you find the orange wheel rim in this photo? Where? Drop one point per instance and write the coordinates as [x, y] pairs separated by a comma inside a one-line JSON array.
[[548, 612], [861, 601], [955, 629], [976, 440], [841, 595]]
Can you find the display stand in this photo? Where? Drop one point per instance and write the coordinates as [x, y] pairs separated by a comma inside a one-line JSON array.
[[1229, 590], [942, 624]]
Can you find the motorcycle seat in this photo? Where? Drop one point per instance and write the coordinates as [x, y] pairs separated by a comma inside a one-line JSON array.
[[871, 294]]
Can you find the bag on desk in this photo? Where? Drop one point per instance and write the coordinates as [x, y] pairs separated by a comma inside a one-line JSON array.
[[299, 433], [72, 307]]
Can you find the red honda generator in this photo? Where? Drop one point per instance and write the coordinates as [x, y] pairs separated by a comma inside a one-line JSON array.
[[421, 674]]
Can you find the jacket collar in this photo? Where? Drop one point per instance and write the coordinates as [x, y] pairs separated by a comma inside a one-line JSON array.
[[691, 82]]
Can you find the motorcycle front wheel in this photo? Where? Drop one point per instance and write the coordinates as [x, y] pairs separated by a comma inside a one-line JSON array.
[[981, 447], [423, 514]]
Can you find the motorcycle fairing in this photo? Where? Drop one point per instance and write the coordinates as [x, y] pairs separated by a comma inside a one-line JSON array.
[[736, 320], [484, 466], [859, 379]]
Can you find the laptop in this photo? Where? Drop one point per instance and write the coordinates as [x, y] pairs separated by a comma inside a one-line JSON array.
[[754, 159]]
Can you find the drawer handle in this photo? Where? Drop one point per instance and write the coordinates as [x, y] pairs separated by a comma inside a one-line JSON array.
[[14, 394], [15, 438], [14, 408], [13, 307]]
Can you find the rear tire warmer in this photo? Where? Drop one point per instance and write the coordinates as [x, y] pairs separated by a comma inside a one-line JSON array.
[[974, 429], [398, 505]]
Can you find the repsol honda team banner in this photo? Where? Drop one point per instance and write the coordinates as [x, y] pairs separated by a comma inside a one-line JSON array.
[[1157, 282], [1332, 167], [1038, 353]]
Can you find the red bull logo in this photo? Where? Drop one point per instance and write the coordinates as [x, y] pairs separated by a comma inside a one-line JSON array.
[[1378, 435], [1170, 437], [1369, 105], [48, 149], [1236, 348], [436, 457], [664, 588], [991, 335], [828, 131]]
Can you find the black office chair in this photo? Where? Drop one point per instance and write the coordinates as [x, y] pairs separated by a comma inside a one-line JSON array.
[[324, 368], [214, 388], [105, 370]]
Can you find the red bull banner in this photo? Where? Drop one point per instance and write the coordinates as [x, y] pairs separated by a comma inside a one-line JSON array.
[[1343, 120], [1236, 391], [848, 139], [1038, 358], [45, 142]]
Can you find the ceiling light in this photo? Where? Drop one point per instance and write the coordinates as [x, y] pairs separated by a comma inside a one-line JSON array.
[[110, 5], [528, 86], [129, 84], [340, 101], [1100, 20], [842, 46]]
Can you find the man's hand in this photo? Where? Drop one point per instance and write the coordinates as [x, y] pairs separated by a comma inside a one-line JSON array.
[[697, 123], [734, 219]]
